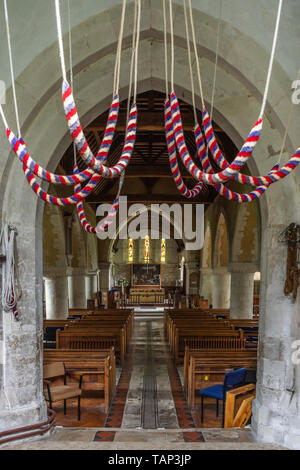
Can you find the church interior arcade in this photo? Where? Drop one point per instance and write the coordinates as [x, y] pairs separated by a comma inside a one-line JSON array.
[[116, 327]]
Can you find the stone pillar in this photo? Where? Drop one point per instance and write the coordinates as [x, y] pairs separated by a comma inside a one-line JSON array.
[[56, 294], [206, 284], [76, 287], [241, 290], [89, 285], [22, 402], [104, 276], [96, 283], [276, 408], [221, 288]]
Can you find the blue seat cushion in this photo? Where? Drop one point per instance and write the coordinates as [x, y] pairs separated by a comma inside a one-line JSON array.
[[215, 391]]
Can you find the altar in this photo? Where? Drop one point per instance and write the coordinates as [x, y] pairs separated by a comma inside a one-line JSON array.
[[146, 295], [146, 284]]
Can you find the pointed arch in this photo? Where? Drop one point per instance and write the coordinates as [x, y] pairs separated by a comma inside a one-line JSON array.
[[221, 244]]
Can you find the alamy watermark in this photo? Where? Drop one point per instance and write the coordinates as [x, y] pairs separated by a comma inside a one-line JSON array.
[[178, 221], [296, 354], [2, 92], [296, 93]]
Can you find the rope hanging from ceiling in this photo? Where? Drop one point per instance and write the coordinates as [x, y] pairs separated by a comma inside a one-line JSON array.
[[228, 170], [30, 166], [173, 128], [73, 118], [169, 132], [112, 213], [11, 290]]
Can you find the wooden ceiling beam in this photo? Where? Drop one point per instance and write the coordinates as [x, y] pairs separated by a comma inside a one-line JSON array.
[[153, 198], [146, 121], [151, 171]]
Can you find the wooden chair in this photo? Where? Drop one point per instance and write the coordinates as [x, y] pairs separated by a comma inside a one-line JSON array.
[[54, 393]]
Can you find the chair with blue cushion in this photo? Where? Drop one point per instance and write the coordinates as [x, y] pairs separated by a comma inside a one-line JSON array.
[[232, 379]]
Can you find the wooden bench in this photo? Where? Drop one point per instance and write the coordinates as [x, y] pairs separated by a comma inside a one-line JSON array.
[[204, 368], [250, 327], [81, 359], [171, 321], [99, 321], [186, 316], [200, 330], [205, 339], [98, 325], [195, 324], [214, 358], [91, 340]]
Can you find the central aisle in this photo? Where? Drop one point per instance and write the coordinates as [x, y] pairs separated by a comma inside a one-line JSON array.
[[149, 403]]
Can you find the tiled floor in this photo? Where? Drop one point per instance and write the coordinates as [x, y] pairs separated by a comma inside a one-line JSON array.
[[171, 439]]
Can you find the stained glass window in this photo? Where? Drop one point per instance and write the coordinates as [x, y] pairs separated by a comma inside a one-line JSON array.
[[163, 251], [130, 250], [147, 249]]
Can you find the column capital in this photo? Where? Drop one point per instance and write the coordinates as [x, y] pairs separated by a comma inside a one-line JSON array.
[[242, 268], [220, 271], [54, 273], [76, 271], [104, 265], [206, 270], [90, 272], [192, 265]]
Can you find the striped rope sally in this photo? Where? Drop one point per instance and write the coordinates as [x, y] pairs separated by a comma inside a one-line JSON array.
[[108, 220], [171, 146]]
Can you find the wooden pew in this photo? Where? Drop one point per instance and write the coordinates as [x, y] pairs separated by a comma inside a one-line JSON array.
[[216, 312], [84, 357], [97, 324], [105, 329], [200, 330], [84, 363], [249, 327], [203, 327], [214, 358], [202, 368], [93, 340], [206, 340], [125, 318]]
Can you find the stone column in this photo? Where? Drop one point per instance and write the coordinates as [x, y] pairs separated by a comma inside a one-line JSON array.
[[56, 294], [22, 402], [96, 283], [276, 408], [221, 288], [89, 285], [206, 284], [76, 287], [241, 291], [104, 276]]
